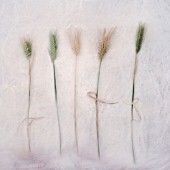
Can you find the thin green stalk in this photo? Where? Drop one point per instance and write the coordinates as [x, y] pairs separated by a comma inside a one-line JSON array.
[[97, 110], [27, 47], [56, 99], [139, 40], [53, 55], [28, 114], [103, 47], [132, 106]]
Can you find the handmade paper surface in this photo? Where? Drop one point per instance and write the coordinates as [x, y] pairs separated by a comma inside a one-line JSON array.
[[20, 18]]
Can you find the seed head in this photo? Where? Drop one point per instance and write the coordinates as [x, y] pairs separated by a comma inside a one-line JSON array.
[[53, 46], [75, 41], [139, 37], [27, 46], [104, 42]]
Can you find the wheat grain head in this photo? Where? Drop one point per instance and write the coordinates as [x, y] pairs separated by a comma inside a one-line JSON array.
[[53, 46], [104, 42], [75, 41], [139, 37], [27, 46]]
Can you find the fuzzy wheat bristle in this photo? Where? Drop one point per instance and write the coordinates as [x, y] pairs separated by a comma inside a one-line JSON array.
[[75, 41], [104, 42], [53, 46], [27, 46], [139, 37]]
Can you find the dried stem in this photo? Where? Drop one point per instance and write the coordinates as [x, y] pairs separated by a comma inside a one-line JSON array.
[[132, 106], [103, 47], [75, 104], [27, 46], [97, 111], [139, 41], [58, 118], [53, 55], [75, 41], [29, 101]]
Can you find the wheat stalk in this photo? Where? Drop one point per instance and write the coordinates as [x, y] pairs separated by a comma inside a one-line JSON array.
[[53, 46], [139, 41], [27, 47], [103, 47], [75, 42]]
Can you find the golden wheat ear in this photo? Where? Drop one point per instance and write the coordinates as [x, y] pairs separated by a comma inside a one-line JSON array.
[[53, 46], [139, 37], [27, 46], [75, 41], [104, 42]]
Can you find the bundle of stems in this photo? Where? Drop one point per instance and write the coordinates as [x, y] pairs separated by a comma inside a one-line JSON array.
[[27, 47], [139, 41], [75, 42], [53, 46], [103, 47]]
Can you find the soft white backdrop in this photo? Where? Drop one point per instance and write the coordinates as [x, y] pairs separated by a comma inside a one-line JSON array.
[[19, 18]]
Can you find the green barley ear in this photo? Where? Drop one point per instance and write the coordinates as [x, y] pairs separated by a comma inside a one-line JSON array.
[[53, 46], [27, 46], [139, 37]]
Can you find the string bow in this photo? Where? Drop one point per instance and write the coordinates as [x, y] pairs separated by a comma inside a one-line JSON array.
[[93, 96]]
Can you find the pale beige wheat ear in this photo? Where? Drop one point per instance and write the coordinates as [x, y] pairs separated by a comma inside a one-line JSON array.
[[27, 48], [104, 42], [75, 42]]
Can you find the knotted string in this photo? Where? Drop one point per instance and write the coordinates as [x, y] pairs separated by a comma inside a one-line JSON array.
[[93, 96], [136, 100], [30, 121]]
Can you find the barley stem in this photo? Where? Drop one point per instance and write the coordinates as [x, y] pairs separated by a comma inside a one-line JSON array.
[[75, 42], [75, 103], [97, 111], [132, 106], [56, 99], [27, 48], [29, 100], [53, 47], [139, 41], [28, 136], [103, 47]]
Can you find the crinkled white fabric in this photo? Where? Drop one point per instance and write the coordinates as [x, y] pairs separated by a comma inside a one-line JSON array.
[[19, 18]]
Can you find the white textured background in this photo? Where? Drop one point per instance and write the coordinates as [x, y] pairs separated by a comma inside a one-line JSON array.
[[36, 18]]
